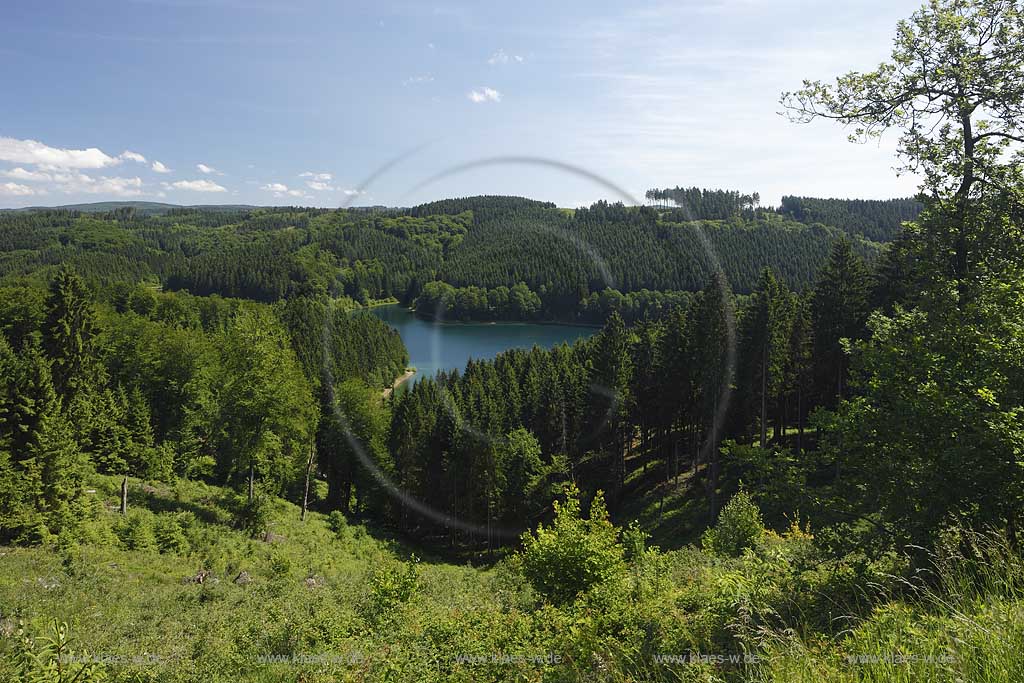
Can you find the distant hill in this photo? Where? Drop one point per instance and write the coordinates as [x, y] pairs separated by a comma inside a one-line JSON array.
[[873, 219], [148, 208]]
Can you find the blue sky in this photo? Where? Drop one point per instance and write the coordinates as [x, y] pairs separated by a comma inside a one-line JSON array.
[[301, 101]]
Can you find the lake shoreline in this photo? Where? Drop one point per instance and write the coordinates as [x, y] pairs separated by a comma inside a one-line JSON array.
[[444, 347], [436, 321], [399, 381]]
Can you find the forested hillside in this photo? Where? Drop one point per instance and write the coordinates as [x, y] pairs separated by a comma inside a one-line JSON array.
[[879, 221], [566, 260], [789, 454]]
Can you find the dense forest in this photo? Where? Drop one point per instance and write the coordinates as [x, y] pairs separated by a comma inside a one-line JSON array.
[[791, 452], [875, 220], [576, 266]]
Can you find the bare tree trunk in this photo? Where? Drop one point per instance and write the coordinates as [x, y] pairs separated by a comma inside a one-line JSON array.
[[124, 495], [252, 479], [309, 470]]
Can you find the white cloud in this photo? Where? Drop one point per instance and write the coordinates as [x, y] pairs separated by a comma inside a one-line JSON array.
[[16, 190], [281, 190], [129, 155], [319, 186], [196, 186], [484, 95], [203, 168], [36, 153], [74, 182], [317, 176], [160, 168], [502, 57], [353, 193], [20, 173], [79, 183]]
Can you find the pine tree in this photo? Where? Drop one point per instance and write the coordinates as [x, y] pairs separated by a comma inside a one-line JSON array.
[[839, 310], [610, 373], [69, 336], [61, 469], [799, 367], [715, 360]]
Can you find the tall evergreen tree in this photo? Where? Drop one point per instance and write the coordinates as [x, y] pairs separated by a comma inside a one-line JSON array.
[[839, 311], [715, 359], [610, 372], [69, 335]]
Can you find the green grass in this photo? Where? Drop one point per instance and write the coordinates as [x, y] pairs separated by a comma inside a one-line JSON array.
[[333, 601]]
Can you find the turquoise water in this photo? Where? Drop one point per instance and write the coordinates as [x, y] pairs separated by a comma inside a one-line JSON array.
[[447, 346]]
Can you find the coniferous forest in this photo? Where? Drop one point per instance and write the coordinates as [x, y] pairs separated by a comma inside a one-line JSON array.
[[792, 450]]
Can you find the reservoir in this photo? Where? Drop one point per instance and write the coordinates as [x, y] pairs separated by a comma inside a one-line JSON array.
[[446, 346]]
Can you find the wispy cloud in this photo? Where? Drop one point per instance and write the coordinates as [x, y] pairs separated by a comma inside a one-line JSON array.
[[484, 95], [208, 170], [417, 80], [317, 176], [502, 57], [201, 185], [79, 183], [160, 168], [19, 173], [282, 190]]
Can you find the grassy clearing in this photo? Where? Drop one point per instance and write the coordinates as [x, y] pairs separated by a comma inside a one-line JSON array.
[[174, 592]]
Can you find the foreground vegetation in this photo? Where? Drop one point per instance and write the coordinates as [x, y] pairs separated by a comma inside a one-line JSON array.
[[177, 590]]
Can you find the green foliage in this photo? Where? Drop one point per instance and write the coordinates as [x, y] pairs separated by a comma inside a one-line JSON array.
[[574, 554], [69, 333], [876, 220], [338, 524], [169, 533], [50, 659], [135, 530], [698, 204], [267, 408], [739, 527], [252, 515], [393, 585]]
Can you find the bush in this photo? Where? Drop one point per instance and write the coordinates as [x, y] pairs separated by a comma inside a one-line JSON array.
[[574, 554], [739, 527], [135, 532], [170, 536], [253, 515], [337, 523], [50, 659], [393, 585]]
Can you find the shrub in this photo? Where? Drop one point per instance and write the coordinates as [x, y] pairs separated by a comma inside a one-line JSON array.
[[574, 554], [135, 532], [337, 523], [739, 527], [253, 515], [50, 659], [170, 536], [393, 585]]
